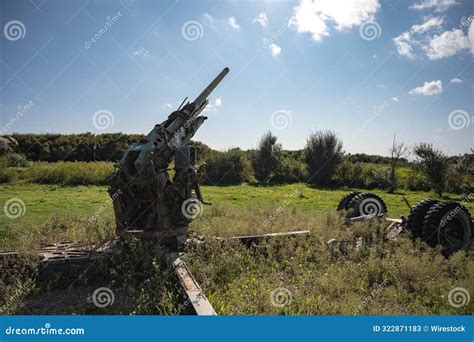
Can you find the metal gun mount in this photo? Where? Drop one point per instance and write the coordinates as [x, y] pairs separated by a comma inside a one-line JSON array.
[[146, 202]]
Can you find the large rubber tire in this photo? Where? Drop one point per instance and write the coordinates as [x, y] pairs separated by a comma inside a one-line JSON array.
[[448, 224], [366, 203], [344, 202], [417, 215]]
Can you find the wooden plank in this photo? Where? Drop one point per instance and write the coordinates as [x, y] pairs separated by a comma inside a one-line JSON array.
[[195, 294]]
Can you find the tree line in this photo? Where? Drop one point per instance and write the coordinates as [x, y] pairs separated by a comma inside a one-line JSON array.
[[322, 162]]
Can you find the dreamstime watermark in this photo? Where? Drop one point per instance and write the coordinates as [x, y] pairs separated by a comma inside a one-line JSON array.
[[21, 110], [103, 119], [459, 119], [373, 294], [281, 208], [192, 30], [103, 297], [281, 297], [453, 35], [370, 206], [109, 22], [14, 30], [376, 112], [46, 330], [370, 30], [14, 208], [19, 292], [281, 119], [192, 208], [93, 218], [276, 34], [458, 297]]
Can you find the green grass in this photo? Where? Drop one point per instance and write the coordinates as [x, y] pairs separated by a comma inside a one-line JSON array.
[[79, 203], [44, 201], [398, 276]]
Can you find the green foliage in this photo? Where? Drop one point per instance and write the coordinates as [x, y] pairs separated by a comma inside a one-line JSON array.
[[229, 167], [323, 152], [17, 160], [75, 147], [63, 173], [434, 165], [373, 159], [267, 159]]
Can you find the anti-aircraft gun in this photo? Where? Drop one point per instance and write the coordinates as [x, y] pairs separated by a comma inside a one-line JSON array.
[[146, 201]]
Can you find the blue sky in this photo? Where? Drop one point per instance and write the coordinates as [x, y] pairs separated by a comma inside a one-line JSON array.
[[367, 70]]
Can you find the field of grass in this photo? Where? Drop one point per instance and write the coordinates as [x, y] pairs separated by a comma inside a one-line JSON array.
[[383, 277]]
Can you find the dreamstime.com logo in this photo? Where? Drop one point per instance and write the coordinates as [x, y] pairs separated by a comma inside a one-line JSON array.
[[370, 30], [103, 297], [46, 330], [14, 208], [281, 119], [14, 30], [459, 119], [103, 119], [192, 208], [281, 297], [458, 297], [192, 30]]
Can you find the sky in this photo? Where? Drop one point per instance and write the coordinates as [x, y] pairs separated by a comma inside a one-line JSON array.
[[367, 70]]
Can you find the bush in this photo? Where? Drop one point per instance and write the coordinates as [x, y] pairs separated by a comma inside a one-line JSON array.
[[64, 173], [17, 160], [434, 165], [267, 158], [323, 152], [229, 167]]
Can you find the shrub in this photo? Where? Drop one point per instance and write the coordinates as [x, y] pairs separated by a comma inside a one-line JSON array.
[[267, 158], [323, 152], [17, 160], [229, 167], [434, 165]]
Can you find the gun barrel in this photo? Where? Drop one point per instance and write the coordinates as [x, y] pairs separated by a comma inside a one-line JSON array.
[[206, 92]]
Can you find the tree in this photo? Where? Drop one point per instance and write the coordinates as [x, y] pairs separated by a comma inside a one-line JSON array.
[[434, 165], [322, 154], [267, 158], [397, 151]]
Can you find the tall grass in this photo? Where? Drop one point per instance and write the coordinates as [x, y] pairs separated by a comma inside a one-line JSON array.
[[380, 277], [63, 173]]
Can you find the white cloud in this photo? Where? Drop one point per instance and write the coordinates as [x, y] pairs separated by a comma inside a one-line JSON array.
[[313, 16], [395, 99], [274, 49], [261, 19], [403, 43], [427, 25], [428, 39], [214, 106], [447, 44], [470, 36], [232, 22], [428, 89], [408, 41], [166, 106], [141, 51], [456, 80], [438, 5]]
